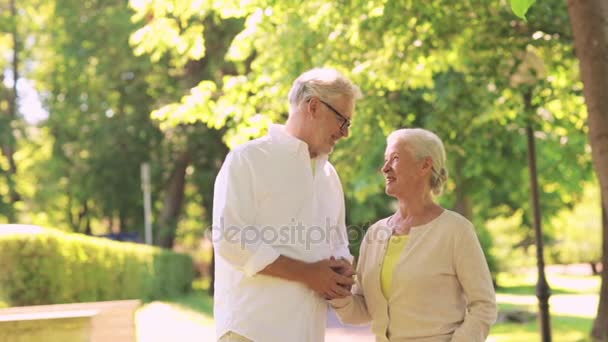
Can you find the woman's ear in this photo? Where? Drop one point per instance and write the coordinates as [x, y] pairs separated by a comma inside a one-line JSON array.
[[427, 165]]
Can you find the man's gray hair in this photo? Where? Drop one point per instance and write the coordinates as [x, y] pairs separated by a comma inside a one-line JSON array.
[[424, 144], [325, 83]]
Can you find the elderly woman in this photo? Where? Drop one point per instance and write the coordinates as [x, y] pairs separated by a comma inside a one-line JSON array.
[[421, 274]]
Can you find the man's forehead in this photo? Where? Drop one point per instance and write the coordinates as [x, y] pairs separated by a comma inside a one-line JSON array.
[[346, 106]]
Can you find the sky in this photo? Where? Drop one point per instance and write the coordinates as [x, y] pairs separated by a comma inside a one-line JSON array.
[[30, 105]]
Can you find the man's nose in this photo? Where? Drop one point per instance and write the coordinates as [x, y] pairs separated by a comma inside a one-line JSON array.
[[345, 132]]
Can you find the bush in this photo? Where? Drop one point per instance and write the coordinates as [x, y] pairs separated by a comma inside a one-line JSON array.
[[54, 267]]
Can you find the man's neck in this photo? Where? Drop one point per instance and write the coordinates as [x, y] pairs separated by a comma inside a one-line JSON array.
[[294, 128]]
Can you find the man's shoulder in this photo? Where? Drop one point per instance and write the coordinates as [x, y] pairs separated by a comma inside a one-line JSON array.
[[330, 169], [253, 148]]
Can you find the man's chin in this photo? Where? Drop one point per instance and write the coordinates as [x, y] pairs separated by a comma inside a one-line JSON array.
[[328, 150]]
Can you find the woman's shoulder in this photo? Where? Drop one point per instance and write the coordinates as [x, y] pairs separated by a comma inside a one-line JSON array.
[[378, 230], [381, 224], [454, 216], [455, 220]]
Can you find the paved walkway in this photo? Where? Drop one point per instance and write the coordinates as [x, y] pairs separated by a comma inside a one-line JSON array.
[[336, 332], [162, 322]]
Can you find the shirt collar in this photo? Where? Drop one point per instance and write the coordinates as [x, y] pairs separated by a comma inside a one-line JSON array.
[[295, 146]]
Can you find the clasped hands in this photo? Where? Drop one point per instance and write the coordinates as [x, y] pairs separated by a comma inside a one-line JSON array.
[[331, 278]]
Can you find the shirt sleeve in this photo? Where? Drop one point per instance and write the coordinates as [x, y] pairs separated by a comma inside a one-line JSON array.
[[339, 236], [353, 309], [474, 276], [236, 237]]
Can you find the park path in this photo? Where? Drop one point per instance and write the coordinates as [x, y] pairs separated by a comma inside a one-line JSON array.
[[164, 322]]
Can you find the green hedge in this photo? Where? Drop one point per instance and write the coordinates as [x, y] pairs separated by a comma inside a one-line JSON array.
[[55, 267]]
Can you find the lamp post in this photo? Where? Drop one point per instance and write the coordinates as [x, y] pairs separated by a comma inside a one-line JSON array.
[[543, 292], [527, 75]]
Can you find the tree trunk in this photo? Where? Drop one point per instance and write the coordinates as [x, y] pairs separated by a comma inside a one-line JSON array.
[[212, 273], [463, 202], [172, 205], [8, 147], [71, 214], [600, 326], [589, 20], [84, 225], [207, 191]]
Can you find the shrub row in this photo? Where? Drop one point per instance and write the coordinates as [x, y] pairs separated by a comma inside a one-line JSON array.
[[55, 267]]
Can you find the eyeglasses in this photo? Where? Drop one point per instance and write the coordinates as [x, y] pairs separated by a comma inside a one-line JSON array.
[[345, 122]]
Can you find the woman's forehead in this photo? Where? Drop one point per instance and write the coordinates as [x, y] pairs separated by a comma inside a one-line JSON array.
[[396, 147]]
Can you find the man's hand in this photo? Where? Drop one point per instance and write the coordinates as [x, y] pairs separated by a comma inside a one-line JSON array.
[[330, 278], [346, 269]]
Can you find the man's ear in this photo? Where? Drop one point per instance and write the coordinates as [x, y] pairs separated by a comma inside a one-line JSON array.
[[312, 107]]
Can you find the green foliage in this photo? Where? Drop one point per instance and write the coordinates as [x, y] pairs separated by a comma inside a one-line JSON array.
[[520, 7], [573, 229], [466, 71], [99, 130], [54, 267], [568, 235], [215, 74]]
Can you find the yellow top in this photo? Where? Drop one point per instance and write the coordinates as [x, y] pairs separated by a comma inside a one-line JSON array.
[[393, 252], [313, 164]]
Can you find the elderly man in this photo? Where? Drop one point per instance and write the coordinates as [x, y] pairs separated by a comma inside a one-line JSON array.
[[278, 220]]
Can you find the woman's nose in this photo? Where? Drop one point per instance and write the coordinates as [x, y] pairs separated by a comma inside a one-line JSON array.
[[385, 168]]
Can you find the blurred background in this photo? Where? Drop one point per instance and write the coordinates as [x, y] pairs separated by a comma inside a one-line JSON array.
[[93, 90]]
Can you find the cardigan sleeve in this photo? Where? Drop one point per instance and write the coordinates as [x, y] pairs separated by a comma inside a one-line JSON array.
[[474, 276]]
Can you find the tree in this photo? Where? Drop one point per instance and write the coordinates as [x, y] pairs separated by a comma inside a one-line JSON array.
[[10, 115], [589, 21], [98, 103], [198, 62], [410, 71]]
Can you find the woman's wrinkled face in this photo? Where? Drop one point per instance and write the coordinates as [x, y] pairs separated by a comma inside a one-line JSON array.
[[402, 171]]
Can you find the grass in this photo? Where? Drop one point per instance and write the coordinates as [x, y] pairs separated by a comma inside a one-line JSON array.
[[573, 306]]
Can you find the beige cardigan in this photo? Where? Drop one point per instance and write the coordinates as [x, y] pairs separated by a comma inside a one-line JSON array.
[[441, 291]]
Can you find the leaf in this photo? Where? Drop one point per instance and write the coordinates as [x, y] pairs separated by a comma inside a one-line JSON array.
[[520, 7]]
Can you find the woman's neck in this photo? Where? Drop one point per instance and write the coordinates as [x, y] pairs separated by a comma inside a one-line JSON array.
[[414, 213]]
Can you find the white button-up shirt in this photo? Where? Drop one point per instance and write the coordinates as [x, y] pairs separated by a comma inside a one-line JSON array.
[[269, 202]]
